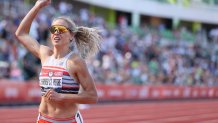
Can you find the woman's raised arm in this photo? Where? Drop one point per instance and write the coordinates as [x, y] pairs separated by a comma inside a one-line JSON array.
[[22, 32]]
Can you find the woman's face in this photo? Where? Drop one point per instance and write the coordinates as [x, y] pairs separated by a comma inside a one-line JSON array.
[[60, 34]]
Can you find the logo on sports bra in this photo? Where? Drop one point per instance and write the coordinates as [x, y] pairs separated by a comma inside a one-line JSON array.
[[50, 74]]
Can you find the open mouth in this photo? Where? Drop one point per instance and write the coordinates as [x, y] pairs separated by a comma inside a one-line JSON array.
[[57, 38]]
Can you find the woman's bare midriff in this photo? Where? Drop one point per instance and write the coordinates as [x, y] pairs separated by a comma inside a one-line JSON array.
[[57, 109]]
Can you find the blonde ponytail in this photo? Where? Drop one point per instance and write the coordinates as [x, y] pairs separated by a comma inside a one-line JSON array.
[[88, 41]]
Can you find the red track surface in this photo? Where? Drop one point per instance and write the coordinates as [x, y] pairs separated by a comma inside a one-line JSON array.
[[149, 112]]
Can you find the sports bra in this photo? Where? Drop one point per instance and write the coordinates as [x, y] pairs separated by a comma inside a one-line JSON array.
[[54, 75]]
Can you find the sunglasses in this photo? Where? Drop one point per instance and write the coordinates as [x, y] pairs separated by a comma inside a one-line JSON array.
[[58, 28]]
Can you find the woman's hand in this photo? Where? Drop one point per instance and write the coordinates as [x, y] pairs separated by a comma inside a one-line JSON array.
[[53, 95], [42, 3]]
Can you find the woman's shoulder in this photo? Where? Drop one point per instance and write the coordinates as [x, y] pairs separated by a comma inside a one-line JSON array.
[[76, 59]]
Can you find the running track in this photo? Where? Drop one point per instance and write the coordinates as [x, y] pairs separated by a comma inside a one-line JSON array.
[[147, 112]]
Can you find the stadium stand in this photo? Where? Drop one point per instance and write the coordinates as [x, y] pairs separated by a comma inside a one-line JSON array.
[[147, 55]]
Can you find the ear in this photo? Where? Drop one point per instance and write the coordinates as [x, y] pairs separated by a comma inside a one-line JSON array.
[[72, 39], [72, 34]]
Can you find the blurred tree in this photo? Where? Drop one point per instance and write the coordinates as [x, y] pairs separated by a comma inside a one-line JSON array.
[[172, 1]]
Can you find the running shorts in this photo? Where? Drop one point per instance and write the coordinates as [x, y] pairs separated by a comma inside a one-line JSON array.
[[46, 119]]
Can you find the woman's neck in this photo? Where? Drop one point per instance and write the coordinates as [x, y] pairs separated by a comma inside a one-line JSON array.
[[60, 52]]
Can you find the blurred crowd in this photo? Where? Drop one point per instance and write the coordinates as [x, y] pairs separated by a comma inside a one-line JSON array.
[[141, 56]]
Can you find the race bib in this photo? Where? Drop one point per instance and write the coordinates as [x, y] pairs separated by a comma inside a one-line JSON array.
[[51, 80]]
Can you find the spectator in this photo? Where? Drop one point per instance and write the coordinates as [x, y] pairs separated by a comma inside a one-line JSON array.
[[153, 56]]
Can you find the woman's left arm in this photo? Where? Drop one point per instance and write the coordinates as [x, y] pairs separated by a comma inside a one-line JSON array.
[[88, 93]]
